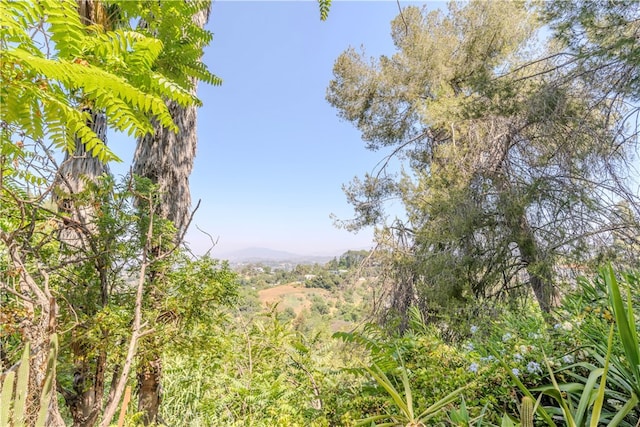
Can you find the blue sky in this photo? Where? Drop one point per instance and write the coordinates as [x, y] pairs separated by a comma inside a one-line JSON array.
[[272, 153]]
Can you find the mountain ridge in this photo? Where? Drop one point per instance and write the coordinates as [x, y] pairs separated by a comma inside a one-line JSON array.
[[255, 254]]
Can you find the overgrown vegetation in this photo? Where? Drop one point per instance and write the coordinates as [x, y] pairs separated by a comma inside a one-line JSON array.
[[507, 297]]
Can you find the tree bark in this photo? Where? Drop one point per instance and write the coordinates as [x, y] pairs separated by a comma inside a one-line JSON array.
[[166, 158], [539, 275], [515, 216], [40, 323], [79, 168], [531, 256], [149, 378]]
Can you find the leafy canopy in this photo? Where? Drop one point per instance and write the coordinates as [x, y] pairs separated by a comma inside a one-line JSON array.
[[53, 67]]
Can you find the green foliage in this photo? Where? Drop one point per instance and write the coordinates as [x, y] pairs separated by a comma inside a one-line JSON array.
[[93, 69], [404, 404], [264, 372], [462, 417], [592, 396], [594, 306], [427, 370], [261, 373], [477, 120], [124, 72], [348, 260], [324, 280], [183, 41], [598, 389], [324, 6], [601, 34], [319, 305], [627, 328], [495, 156]]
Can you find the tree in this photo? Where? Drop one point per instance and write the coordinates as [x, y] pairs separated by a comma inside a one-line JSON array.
[[166, 157], [79, 171], [508, 162], [63, 87]]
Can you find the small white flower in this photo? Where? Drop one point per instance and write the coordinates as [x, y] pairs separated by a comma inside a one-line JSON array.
[[468, 346], [474, 329], [516, 372], [567, 326], [568, 359], [557, 326], [474, 367], [518, 357], [506, 337], [533, 367]]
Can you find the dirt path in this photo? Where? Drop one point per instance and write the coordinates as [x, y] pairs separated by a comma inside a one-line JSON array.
[[296, 297]]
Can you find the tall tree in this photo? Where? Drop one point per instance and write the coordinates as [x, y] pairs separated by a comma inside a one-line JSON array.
[[507, 165], [80, 170], [166, 157], [56, 87]]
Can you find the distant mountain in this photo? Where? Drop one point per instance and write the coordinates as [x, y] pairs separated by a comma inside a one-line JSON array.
[[265, 254]]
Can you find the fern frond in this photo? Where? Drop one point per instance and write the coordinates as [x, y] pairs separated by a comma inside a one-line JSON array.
[[360, 339], [65, 124], [201, 72], [122, 49], [20, 106], [127, 74], [121, 116], [165, 87], [145, 52], [99, 85], [67, 32], [15, 19], [324, 6], [172, 23], [201, 36]]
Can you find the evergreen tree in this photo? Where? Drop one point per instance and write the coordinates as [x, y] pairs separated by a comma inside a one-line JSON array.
[[508, 160]]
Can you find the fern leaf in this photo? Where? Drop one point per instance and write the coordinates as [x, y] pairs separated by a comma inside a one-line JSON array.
[[67, 32], [98, 85], [324, 6], [171, 90]]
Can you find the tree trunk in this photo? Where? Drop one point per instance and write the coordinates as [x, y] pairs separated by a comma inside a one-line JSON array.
[[166, 158], [149, 377], [75, 171], [539, 273], [39, 324], [540, 277], [78, 169]]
